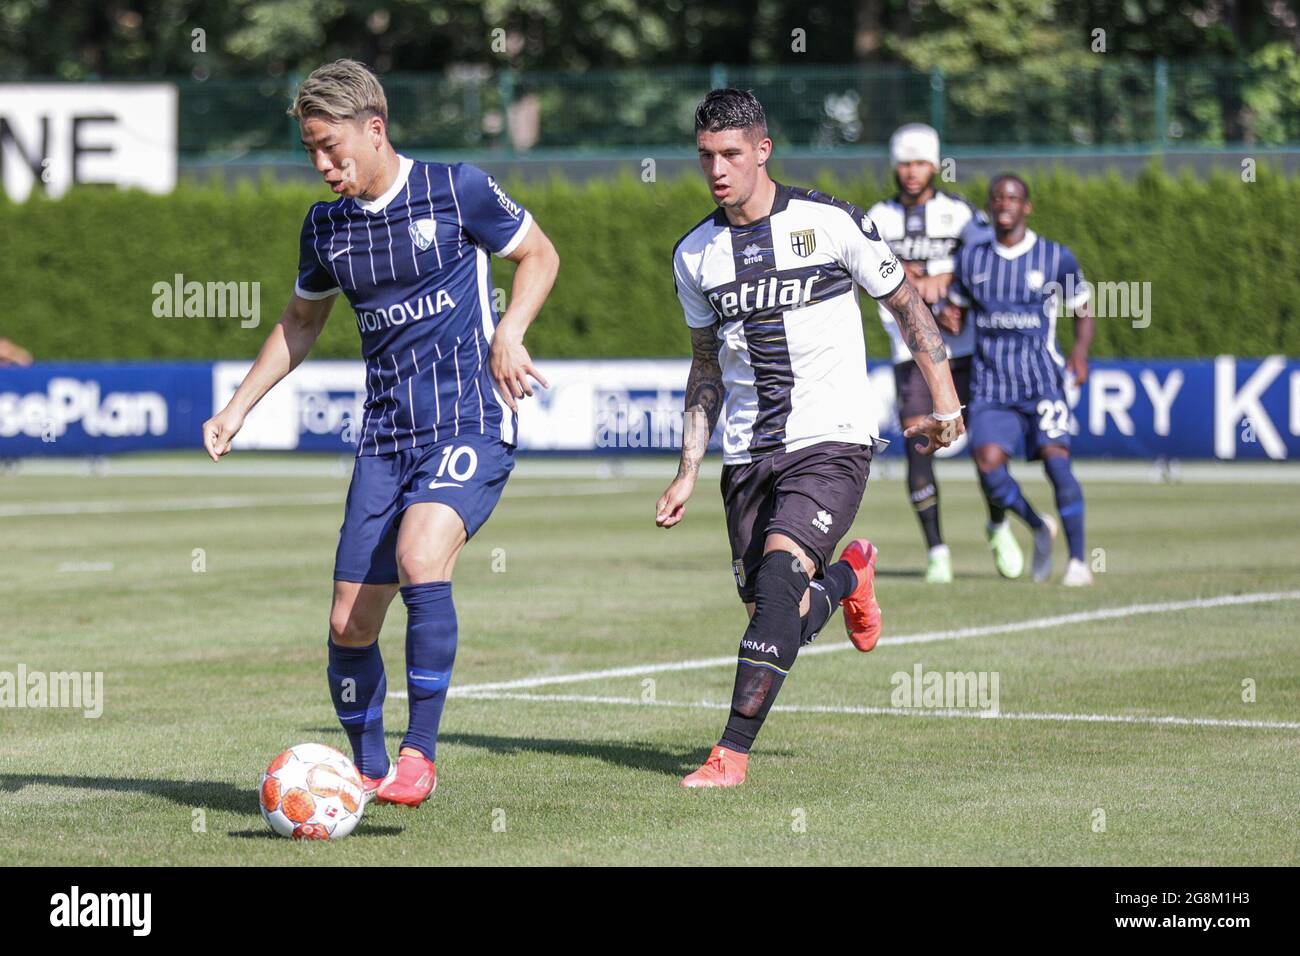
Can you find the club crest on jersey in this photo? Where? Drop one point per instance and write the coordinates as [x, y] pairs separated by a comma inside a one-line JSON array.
[[869, 228], [1034, 280], [422, 232], [803, 242]]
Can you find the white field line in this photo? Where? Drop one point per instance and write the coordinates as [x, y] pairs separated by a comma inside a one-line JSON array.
[[898, 711], [223, 502], [925, 637], [210, 503]]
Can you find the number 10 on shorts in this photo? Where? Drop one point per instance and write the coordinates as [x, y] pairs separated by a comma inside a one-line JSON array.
[[458, 463]]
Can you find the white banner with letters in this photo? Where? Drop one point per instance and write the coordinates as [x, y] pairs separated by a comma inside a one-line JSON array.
[[57, 135]]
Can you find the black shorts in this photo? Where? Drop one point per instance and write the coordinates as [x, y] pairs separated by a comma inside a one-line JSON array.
[[811, 494], [914, 395]]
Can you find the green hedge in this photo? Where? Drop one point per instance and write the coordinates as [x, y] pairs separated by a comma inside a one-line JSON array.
[[77, 274]]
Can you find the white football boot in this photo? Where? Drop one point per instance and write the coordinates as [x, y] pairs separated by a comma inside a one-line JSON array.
[[1077, 575], [1043, 540]]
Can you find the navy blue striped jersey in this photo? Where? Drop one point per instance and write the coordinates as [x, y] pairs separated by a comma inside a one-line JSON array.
[[414, 265], [1013, 295]]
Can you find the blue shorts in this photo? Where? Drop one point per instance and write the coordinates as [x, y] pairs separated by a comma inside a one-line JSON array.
[[467, 474], [1035, 422]]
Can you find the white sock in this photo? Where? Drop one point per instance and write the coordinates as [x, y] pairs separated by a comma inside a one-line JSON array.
[[939, 551]]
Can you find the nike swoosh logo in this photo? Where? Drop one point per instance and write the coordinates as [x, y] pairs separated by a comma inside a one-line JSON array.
[[444, 484], [335, 255], [978, 279]]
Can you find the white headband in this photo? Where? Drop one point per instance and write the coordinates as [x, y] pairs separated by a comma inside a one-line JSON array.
[[913, 142]]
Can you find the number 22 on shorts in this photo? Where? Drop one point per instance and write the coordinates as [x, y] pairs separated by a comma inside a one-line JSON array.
[[1053, 417]]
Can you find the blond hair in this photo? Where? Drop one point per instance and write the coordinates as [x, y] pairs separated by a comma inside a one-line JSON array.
[[341, 90]]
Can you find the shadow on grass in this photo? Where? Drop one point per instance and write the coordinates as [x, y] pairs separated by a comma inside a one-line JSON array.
[[363, 829], [919, 573], [636, 755], [209, 794]]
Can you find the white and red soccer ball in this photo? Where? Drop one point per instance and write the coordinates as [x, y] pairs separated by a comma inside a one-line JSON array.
[[312, 792]]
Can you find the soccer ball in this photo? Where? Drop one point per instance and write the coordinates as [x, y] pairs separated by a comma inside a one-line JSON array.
[[312, 792]]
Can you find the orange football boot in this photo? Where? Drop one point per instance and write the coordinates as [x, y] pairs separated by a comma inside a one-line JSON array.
[[861, 610], [415, 779], [724, 768]]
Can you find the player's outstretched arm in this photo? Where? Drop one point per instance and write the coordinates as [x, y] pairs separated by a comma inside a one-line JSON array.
[[510, 363], [704, 393], [284, 349], [942, 426]]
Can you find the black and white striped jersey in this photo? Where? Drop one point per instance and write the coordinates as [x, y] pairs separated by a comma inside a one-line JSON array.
[[781, 294], [933, 233]]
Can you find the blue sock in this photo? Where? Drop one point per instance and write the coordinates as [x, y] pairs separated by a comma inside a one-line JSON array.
[[1069, 502], [1001, 489], [430, 651], [358, 686]]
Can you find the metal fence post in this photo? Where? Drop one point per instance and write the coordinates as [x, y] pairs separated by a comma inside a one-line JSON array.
[[1162, 102], [936, 100], [506, 88], [295, 133]]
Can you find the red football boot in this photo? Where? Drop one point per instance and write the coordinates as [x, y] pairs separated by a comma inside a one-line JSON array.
[[415, 779], [370, 785], [724, 768], [861, 610]]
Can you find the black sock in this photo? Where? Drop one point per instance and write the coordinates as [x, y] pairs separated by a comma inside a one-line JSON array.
[[768, 649], [924, 494], [824, 596]]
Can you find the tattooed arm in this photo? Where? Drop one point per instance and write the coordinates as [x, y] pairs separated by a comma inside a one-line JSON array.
[[704, 393], [923, 338]]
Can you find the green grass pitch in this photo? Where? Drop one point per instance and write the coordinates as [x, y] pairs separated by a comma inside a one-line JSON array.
[[209, 673]]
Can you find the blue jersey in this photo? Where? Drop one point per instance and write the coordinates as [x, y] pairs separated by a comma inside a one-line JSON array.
[[414, 265], [1013, 296]]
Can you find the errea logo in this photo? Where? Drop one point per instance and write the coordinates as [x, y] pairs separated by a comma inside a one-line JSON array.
[[753, 253], [823, 521]]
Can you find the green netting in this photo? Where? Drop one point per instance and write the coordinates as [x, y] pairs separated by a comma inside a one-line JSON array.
[[1107, 102]]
